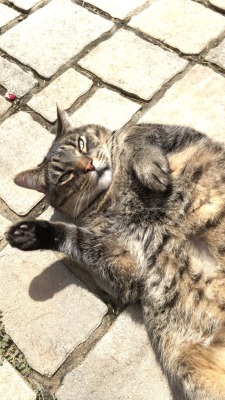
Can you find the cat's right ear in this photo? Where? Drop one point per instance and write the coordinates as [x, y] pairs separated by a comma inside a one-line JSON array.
[[32, 179], [63, 122]]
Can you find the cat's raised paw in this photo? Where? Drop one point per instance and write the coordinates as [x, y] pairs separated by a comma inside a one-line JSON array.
[[158, 176], [31, 235], [153, 174]]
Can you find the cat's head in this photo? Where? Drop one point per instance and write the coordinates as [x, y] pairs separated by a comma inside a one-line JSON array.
[[76, 170]]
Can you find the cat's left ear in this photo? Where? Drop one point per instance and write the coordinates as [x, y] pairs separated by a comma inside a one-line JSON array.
[[32, 179], [63, 122]]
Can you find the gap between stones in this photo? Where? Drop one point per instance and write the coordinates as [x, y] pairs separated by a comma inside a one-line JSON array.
[[80, 353]]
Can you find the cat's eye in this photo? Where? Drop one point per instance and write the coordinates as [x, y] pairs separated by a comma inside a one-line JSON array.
[[66, 177], [82, 144]]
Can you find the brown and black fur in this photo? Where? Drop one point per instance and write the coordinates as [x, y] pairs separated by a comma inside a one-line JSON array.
[[148, 212]]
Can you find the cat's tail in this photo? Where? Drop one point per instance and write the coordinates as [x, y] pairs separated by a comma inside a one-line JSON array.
[[204, 376]]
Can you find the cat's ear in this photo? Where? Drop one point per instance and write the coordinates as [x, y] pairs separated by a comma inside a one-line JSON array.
[[32, 179], [63, 122]]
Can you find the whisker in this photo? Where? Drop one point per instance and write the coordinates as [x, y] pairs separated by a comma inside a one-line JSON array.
[[69, 208], [80, 203], [89, 191], [76, 206], [114, 136], [80, 199]]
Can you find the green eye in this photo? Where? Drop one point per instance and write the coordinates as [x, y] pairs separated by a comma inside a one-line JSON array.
[[66, 177], [82, 144]]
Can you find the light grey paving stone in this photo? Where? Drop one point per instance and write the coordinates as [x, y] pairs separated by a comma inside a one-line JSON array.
[[197, 101], [218, 3], [25, 4], [117, 8], [133, 64], [217, 55], [55, 216], [46, 310], [4, 225], [64, 91], [23, 145], [181, 24], [4, 105], [51, 36], [121, 366], [106, 108], [48, 213], [14, 79], [7, 14], [13, 386]]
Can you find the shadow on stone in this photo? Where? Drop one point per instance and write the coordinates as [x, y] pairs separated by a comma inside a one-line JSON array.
[[47, 284], [52, 280]]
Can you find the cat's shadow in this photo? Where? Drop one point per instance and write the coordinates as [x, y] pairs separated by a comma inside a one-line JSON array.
[[45, 285], [55, 278], [51, 281]]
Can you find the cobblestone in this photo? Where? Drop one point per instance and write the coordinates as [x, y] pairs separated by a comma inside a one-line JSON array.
[[217, 55], [101, 106], [33, 41], [27, 143], [137, 70], [128, 365], [25, 4], [181, 24], [218, 3], [47, 305], [13, 386], [117, 8], [4, 224], [6, 15], [14, 79], [193, 101], [64, 91], [133, 64], [4, 105]]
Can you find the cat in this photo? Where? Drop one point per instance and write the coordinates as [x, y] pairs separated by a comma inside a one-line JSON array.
[[148, 222]]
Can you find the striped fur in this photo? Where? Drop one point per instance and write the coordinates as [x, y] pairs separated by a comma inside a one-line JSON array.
[[149, 225]]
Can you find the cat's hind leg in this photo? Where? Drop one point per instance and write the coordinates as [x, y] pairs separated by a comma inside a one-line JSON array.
[[203, 372]]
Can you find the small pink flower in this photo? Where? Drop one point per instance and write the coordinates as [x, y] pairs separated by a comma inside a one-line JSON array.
[[10, 96]]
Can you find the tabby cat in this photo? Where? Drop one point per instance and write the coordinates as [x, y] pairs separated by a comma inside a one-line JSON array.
[[148, 211]]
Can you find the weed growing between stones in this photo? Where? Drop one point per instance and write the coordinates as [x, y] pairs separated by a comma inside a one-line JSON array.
[[42, 394], [10, 352]]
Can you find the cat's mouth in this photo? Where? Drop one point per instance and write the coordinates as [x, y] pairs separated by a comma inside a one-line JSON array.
[[102, 172]]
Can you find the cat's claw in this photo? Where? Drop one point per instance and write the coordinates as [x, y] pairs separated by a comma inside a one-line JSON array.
[[30, 235]]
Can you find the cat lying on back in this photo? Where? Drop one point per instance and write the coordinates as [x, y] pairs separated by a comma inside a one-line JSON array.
[[149, 208]]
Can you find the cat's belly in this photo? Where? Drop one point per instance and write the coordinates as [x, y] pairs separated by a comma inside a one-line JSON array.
[[200, 256]]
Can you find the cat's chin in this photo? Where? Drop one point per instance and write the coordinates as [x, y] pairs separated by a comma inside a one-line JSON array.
[[104, 179]]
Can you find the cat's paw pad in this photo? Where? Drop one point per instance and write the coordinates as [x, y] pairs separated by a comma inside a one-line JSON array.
[[28, 235]]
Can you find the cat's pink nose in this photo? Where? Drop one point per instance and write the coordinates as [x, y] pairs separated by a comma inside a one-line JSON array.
[[89, 166]]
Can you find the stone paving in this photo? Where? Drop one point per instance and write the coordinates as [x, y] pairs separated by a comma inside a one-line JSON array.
[[114, 63]]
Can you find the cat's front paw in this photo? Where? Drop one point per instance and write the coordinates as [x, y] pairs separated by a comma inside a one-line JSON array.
[[31, 235], [154, 174], [158, 176]]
